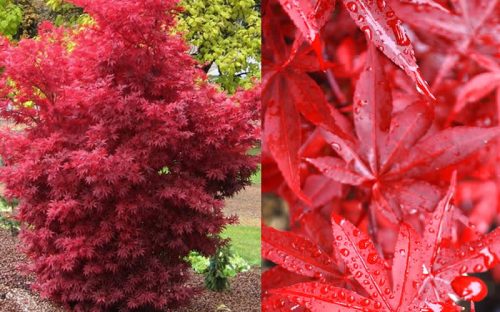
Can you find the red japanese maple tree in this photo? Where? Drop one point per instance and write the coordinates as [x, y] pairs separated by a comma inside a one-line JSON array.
[[121, 155], [363, 150]]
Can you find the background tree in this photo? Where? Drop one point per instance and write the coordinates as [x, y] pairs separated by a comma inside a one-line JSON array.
[[225, 33], [10, 18]]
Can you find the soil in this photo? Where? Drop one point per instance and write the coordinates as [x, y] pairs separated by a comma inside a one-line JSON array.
[[244, 294]]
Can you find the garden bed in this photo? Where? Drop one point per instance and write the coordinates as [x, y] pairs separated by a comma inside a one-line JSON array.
[[15, 295]]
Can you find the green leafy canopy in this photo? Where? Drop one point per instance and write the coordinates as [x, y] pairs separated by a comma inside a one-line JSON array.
[[227, 33]]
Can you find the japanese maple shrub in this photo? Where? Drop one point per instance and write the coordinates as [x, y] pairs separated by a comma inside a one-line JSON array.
[[121, 156], [392, 183]]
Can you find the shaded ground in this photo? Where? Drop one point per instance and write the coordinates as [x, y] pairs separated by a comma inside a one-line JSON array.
[[246, 204]]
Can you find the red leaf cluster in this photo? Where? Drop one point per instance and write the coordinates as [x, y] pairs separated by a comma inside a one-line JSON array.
[[121, 155], [363, 150]]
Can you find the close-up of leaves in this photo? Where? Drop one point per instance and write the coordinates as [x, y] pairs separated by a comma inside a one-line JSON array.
[[381, 139]]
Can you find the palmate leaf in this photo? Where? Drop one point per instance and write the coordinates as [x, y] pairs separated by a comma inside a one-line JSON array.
[[385, 30], [320, 297], [419, 263], [336, 169], [362, 259], [303, 16], [291, 94], [372, 108], [430, 3], [469, 20], [395, 146], [477, 88], [375, 18], [297, 254], [406, 267], [282, 134], [444, 149]]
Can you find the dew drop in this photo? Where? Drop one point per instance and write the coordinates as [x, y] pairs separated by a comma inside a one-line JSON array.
[[478, 268], [344, 252], [363, 244], [342, 294], [319, 276], [399, 33], [469, 288], [381, 4], [488, 257], [372, 258], [367, 31], [351, 6]]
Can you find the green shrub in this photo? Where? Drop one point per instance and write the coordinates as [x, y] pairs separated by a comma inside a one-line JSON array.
[[10, 18], [218, 268], [7, 220]]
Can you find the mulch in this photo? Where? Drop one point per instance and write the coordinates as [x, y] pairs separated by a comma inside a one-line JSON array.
[[243, 295], [15, 294]]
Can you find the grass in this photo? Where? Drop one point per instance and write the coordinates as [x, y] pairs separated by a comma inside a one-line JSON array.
[[245, 241], [257, 177]]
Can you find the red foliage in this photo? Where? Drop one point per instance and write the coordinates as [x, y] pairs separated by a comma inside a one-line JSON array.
[[111, 105], [363, 150]]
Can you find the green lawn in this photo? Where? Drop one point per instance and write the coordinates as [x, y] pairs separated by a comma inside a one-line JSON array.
[[245, 241], [257, 177]]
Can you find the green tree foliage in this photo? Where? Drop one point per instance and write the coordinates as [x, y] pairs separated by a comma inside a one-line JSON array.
[[227, 33], [216, 275], [10, 18], [65, 13]]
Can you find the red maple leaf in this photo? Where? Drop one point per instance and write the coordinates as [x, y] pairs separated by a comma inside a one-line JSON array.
[[420, 275]]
